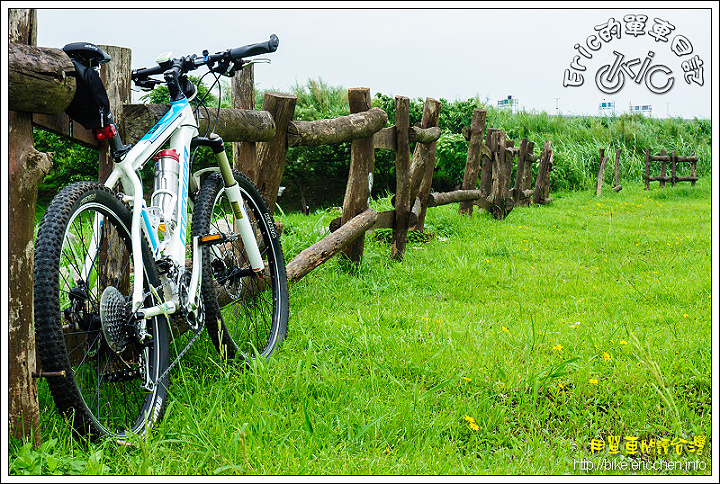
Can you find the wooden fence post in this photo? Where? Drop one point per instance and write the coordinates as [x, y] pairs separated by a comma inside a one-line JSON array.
[[487, 163], [663, 168], [271, 154], [402, 180], [116, 75], [362, 166], [425, 153], [243, 97], [474, 158], [673, 168], [601, 172], [520, 171], [542, 181], [647, 169], [26, 168], [616, 180], [502, 165]]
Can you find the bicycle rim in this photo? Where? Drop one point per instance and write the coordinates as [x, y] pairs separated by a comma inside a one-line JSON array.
[[247, 315], [102, 388]]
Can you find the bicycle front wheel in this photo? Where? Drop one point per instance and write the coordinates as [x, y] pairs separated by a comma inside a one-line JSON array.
[[246, 315], [96, 371]]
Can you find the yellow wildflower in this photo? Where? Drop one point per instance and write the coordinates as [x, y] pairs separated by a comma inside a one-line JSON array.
[[469, 419], [594, 381], [606, 356], [505, 329], [474, 426], [557, 347], [623, 342]]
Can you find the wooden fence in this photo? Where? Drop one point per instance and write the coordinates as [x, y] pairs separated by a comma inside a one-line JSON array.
[[673, 159], [41, 87]]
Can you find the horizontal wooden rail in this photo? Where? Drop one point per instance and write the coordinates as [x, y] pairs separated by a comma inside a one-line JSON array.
[[385, 138], [41, 79], [336, 130], [232, 124]]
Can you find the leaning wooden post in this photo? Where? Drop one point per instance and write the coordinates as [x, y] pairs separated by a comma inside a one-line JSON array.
[[474, 158], [318, 253], [616, 180], [425, 152], [360, 177], [271, 154], [402, 181], [601, 172], [647, 169], [26, 168], [243, 97]]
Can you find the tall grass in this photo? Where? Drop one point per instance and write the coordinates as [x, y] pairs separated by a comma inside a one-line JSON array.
[[496, 347], [576, 142]]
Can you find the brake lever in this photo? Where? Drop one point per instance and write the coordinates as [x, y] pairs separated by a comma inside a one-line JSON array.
[[236, 66]]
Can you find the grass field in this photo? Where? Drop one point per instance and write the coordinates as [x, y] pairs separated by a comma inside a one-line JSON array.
[[496, 347]]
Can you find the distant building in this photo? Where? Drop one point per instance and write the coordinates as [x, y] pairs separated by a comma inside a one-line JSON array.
[[606, 108], [644, 109], [509, 103]]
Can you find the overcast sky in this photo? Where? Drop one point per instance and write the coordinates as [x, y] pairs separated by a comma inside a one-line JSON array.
[[452, 53]]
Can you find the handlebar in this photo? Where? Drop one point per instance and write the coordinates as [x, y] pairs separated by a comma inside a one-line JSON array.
[[226, 62], [254, 49]]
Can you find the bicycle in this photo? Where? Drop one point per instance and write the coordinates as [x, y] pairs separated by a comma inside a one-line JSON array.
[[116, 278]]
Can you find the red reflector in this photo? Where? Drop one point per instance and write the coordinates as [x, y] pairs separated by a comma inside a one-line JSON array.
[[104, 133]]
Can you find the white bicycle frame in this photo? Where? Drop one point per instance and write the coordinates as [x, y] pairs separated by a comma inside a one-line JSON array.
[[178, 126]]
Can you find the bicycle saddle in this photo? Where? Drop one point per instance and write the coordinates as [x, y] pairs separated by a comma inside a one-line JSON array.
[[86, 53]]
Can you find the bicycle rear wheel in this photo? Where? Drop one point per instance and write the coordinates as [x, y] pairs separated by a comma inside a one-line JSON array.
[[83, 257], [246, 315]]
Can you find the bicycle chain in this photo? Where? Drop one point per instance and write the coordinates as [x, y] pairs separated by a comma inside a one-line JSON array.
[[154, 291]]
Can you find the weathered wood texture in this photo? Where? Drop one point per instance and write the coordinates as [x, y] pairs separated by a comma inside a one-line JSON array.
[[673, 159], [271, 154], [336, 130], [616, 174], [601, 172], [398, 241], [26, 167], [243, 97], [116, 76], [385, 139], [487, 162], [542, 181], [318, 253], [232, 124], [523, 173], [474, 158], [501, 170], [45, 77], [360, 177], [422, 165]]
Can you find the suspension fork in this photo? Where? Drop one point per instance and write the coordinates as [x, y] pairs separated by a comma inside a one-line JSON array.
[[232, 190]]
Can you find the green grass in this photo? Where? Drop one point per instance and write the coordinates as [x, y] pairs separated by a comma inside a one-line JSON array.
[[497, 347]]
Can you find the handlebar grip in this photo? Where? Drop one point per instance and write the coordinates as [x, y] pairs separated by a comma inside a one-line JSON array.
[[255, 49], [145, 72]]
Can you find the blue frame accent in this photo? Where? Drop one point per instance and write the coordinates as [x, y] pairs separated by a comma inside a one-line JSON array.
[[161, 126]]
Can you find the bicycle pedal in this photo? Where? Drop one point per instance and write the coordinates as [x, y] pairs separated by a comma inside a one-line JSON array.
[[214, 239]]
